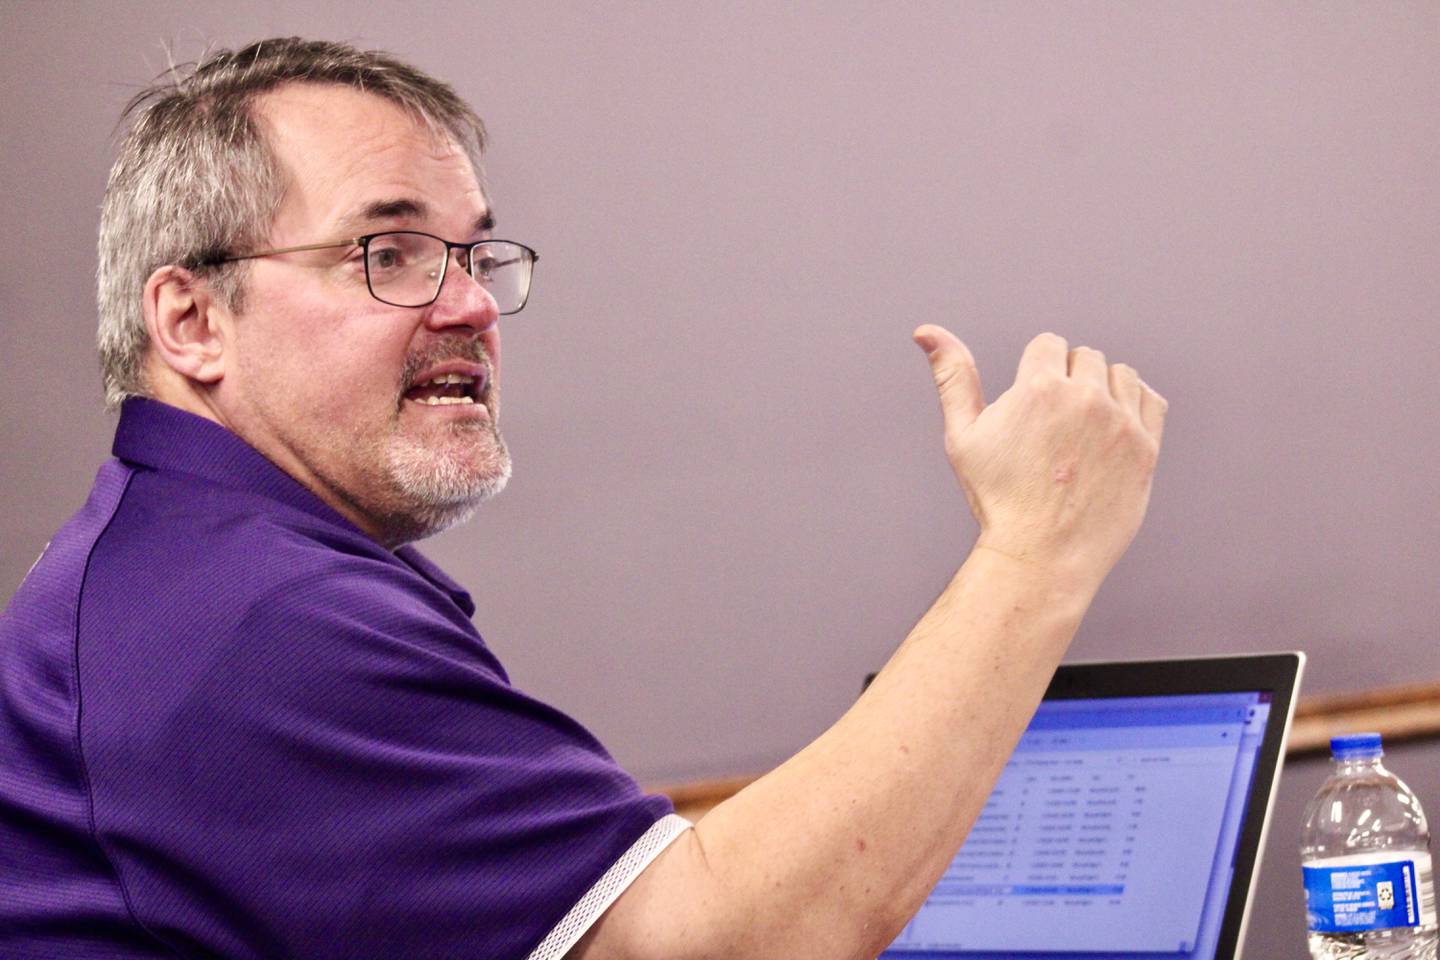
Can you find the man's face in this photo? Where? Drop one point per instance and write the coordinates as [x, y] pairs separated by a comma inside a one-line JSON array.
[[330, 383]]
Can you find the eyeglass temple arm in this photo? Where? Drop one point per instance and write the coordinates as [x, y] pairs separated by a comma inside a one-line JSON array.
[[353, 242]]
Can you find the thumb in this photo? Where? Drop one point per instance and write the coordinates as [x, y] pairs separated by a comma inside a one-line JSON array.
[[956, 378]]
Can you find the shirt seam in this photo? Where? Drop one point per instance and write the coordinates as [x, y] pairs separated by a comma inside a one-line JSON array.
[[606, 889], [79, 746]]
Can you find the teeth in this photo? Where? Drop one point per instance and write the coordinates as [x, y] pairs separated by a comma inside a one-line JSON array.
[[443, 401], [447, 378]]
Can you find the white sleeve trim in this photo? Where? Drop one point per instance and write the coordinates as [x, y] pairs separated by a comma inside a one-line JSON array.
[[608, 888]]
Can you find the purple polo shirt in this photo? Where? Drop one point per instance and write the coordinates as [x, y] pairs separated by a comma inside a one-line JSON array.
[[232, 725]]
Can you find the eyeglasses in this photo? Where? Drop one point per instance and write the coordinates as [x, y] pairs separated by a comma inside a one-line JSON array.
[[406, 268]]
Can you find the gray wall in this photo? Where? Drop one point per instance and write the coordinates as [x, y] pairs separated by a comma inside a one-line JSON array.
[[730, 499]]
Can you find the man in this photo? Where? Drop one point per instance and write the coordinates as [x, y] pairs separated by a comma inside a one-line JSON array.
[[241, 717]]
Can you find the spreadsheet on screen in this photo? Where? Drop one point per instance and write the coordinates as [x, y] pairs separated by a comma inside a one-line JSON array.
[[1111, 833]]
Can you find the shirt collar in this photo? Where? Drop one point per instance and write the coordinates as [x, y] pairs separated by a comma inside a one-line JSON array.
[[162, 437]]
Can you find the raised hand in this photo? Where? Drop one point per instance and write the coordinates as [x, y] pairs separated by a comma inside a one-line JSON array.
[[1057, 470]]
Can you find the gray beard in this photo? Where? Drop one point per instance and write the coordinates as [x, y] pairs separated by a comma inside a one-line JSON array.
[[433, 493]]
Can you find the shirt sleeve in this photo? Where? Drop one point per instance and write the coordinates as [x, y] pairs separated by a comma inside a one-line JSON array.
[[345, 771], [608, 888]]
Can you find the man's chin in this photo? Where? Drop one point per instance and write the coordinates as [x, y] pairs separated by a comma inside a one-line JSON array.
[[436, 490]]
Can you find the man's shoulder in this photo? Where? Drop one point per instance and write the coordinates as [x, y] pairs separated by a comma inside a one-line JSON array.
[[194, 587], [185, 556], [175, 528]]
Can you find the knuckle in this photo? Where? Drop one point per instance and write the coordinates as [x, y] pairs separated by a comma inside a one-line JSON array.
[[1092, 399], [1137, 442], [1044, 384], [946, 377], [1149, 451]]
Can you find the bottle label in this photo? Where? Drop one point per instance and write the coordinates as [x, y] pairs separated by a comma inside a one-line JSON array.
[[1362, 896]]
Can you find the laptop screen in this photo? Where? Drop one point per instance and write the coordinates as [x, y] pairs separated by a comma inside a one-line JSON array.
[[1115, 831]]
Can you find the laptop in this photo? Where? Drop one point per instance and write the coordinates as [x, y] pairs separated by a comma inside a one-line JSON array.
[[1128, 823]]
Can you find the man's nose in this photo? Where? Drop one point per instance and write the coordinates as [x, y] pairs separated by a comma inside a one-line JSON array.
[[462, 302]]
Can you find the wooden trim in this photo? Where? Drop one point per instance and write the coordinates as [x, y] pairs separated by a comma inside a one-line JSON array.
[[1407, 712], [694, 800], [1410, 711]]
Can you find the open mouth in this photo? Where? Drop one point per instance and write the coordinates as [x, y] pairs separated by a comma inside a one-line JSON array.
[[448, 389]]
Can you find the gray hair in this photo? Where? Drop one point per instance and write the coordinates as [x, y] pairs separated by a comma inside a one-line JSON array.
[[195, 178]]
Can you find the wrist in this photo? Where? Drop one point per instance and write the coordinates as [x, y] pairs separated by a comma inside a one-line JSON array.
[[1068, 580]]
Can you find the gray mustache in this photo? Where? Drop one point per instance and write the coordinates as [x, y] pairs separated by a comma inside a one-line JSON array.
[[470, 351]]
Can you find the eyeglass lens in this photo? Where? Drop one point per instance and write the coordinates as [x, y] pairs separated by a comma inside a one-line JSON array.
[[406, 269]]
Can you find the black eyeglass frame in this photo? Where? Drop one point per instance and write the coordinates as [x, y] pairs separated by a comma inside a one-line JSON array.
[[364, 242]]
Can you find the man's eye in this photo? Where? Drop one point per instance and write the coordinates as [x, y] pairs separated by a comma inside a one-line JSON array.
[[484, 267], [386, 258]]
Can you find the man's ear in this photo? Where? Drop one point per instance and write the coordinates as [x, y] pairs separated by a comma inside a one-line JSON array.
[[187, 328]]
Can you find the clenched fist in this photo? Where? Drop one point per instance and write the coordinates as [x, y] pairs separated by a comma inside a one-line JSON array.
[[1057, 470]]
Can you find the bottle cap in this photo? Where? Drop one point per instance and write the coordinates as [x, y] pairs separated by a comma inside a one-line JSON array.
[[1356, 746]]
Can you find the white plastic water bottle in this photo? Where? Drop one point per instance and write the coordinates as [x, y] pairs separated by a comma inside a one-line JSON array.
[[1365, 852]]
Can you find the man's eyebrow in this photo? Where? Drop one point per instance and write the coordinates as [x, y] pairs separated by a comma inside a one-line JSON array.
[[403, 208], [399, 209]]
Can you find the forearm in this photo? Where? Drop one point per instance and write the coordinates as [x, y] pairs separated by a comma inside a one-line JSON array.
[[828, 855]]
